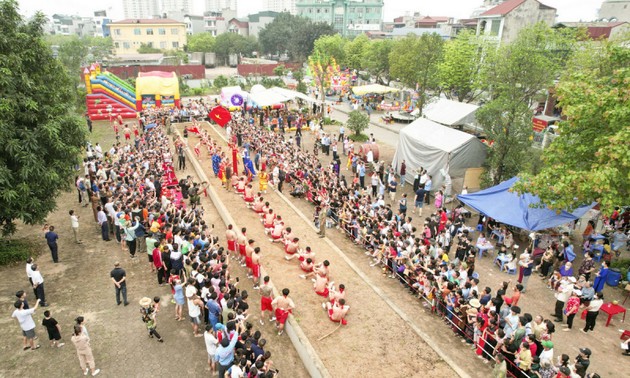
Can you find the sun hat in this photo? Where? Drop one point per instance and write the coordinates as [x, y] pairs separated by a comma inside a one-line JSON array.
[[145, 302]]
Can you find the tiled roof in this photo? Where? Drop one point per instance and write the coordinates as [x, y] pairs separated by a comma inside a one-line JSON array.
[[503, 8], [146, 21]]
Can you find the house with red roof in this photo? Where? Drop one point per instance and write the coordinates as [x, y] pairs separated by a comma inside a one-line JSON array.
[[503, 22]]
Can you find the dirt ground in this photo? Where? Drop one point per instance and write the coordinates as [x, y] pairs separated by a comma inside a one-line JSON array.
[[80, 285], [376, 318], [374, 328]]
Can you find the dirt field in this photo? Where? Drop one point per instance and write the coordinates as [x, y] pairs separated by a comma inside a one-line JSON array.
[[80, 285], [374, 328]]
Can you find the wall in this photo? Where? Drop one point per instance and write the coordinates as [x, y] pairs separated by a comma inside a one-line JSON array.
[[525, 15], [617, 9], [262, 69], [197, 71]]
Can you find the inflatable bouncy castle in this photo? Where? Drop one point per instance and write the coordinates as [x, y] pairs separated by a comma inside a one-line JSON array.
[[157, 89], [109, 95]]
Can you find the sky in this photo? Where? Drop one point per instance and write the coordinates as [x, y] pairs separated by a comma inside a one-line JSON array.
[[568, 10]]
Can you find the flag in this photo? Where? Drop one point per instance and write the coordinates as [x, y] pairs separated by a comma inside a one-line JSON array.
[[220, 115], [193, 129]]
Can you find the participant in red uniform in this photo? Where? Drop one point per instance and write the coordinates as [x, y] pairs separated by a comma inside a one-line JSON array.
[[230, 235], [266, 293], [284, 306]]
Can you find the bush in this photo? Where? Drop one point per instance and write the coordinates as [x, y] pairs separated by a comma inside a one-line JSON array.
[[622, 265], [357, 122], [358, 137], [220, 81], [330, 121], [12, 251]]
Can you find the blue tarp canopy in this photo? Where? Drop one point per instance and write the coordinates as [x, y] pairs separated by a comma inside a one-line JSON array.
[[517, 210]]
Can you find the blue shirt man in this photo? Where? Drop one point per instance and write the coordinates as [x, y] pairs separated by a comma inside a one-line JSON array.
[[225, 353]]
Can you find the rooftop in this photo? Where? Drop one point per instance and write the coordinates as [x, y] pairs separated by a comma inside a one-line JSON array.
[[508, 6], [146, 21]]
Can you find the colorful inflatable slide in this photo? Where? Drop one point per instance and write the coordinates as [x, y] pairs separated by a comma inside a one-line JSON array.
[[108, 94]]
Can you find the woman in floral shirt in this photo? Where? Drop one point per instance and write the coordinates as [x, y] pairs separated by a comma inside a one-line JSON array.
[[572, 307]]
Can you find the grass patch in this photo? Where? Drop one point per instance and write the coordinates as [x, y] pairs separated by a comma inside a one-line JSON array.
[[16, 250]]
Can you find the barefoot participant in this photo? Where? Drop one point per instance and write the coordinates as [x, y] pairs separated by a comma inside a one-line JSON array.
[[266, 298], [230, 235], [307, 265], [255, 264], [337, 312], [321, 286], [284, 306], [292, 248], [268, 220], [249, 251], [242, 242]]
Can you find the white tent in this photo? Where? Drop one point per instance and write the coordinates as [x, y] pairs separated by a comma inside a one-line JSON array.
[[450, 113], [268, 97], [291, 94], [429, 145]]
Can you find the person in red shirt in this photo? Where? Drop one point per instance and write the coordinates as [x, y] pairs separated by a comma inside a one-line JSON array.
[[571, 308], [158, 263]]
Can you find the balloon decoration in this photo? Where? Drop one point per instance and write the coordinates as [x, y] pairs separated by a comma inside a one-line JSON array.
[[236, 99]]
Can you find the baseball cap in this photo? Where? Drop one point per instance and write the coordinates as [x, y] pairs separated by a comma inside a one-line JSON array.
[[585, 351], [547, 344], [565, 370]]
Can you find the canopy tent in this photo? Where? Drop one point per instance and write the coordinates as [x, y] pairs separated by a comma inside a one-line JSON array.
[[506, 206], [434, 147], [292, 95], [450, 113], [373, 88], [267, 97], [233, 96]]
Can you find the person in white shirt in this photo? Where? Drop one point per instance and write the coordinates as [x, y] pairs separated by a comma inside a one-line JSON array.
[[593, 311], [25, 318], [74, 223], [38, 285], [211, 347], [547, 353]]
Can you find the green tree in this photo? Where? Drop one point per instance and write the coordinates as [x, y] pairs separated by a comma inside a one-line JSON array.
[[41, 135], [220, 81], [332, 46], [357, 122], [376, 61], [232, 43], [517, 74], [355, 51], [415, 60], [293, 34], [146, 49], [590, 159], [280, 70], [100, 48], [461, 72], [201, 42]]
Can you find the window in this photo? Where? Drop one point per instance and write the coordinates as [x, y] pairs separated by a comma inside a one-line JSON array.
[[175, 45], [149, 31], [150, 44], [125, 45], [318, 10], [137, 31], [495, 28], [116, 44], [117, 31], [174, 31], [162, 31], [162, 45]]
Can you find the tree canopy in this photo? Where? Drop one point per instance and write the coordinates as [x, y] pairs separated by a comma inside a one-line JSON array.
[[331, 46], [461, 72], [518, 74], [200, 42], [414, 61], [294, 34], [41, 136], [232, 43], [590, 159]]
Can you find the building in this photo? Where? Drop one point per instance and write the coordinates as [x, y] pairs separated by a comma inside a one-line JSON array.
[[72, 25], [216, 23], [220, 5], [165, 34], [348, 17], [503, 22], [599, 30], [238, 26], [256, 22], [280, 6], [615, 10], [140, 9], [175, 6], [194, 24], [101, 22]]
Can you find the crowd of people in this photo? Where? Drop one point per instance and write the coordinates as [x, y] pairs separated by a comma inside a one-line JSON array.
[[139, 202], [437, 263]]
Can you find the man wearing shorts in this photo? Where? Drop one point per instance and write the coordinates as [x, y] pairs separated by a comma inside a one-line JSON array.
[[266, 298], [195, 304], [284, 306], [255, 266], [25, 318], [337, 312], [241, 241], [230, 235], [249, 251]]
